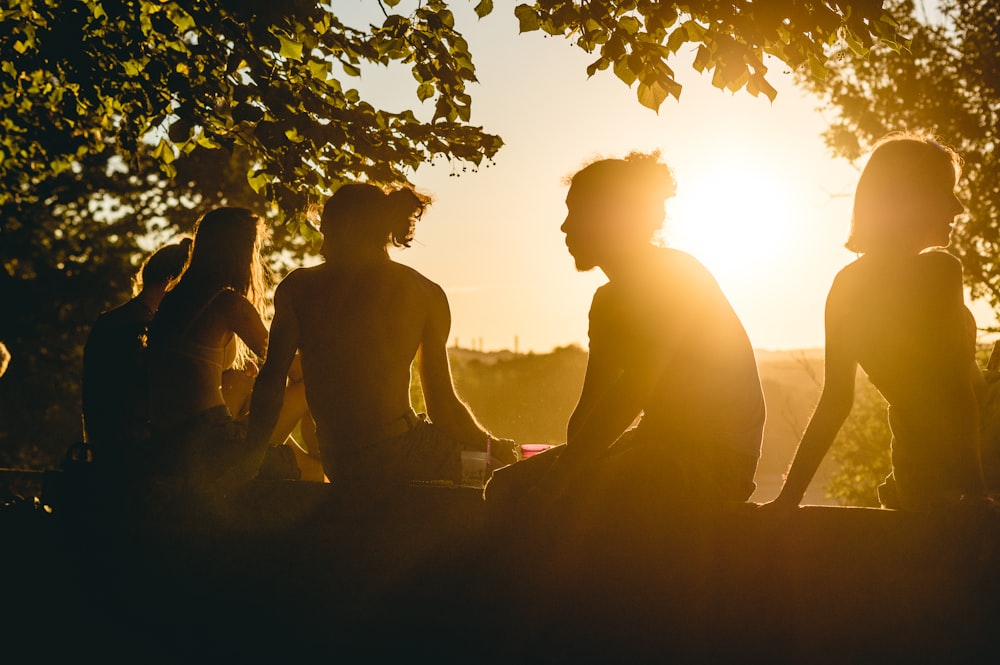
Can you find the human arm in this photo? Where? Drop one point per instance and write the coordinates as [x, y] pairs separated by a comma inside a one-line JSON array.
[[444, 408], [243, 319], [616, 390], [269, 389]]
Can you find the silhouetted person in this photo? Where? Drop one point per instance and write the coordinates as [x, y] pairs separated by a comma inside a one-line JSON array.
[[210, 322], [115, 393], [664, 344], [359, 320], [898, 311]]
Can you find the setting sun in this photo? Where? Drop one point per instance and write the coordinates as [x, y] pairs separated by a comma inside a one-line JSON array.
[[735, 215]]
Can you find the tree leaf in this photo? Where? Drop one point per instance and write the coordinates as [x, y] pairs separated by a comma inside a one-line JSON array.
[[651, 96], [484, 8], [290, 48], [624, 72], [527, 18], [425, 91]]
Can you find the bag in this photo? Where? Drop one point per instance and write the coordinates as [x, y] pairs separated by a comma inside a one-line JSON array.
[[279, 464]]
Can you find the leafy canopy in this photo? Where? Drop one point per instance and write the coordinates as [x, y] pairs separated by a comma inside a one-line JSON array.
[[637, 38], [204, 74], [273, 77], [948, 85]]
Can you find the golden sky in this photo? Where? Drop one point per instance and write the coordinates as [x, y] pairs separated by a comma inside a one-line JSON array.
[[761, 202]]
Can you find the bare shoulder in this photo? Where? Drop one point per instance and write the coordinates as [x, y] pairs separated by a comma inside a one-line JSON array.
[[298, 279], [678, 259], [230, 301], [411, 278]]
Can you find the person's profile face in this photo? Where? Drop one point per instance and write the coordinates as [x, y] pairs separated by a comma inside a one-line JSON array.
[[934, 209], [586, 226]]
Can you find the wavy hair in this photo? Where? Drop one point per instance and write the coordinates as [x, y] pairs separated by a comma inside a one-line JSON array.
[[227, 255], [641, 179], [365, 214]]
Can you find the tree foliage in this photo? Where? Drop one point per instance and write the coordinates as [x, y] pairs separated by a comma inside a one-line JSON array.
[[637, 38], [948, 85], [204, 74], [274, 77], [861, 450]]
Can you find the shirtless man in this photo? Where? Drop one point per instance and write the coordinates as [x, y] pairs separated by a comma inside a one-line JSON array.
[[664, 344], [359, 320]]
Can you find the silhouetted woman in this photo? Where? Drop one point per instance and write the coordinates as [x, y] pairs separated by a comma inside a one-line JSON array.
[[210, 322], [898, 311], [360, 319], [115, 398]]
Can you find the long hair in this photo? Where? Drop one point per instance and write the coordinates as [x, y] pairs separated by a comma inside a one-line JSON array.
[[227, 255], [365, 214], [900, 166]]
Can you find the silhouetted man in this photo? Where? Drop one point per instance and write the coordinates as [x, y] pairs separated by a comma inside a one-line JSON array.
[[664, 344], [359, 320]]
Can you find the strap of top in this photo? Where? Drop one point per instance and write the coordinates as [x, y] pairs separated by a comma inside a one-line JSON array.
[[201, 311]]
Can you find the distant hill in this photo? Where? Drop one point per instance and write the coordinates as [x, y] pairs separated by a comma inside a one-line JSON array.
[[529, 398]]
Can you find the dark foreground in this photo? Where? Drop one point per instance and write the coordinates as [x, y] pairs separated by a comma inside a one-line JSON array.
[[292, 572]]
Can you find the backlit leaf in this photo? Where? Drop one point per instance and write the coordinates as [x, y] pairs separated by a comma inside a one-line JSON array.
[[484, 8], [527, 18], [290, 48]]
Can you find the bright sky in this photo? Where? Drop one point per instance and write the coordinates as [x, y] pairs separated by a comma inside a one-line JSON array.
[[760, 200]]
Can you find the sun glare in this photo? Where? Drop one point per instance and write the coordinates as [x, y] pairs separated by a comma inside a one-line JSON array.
[[735, 216]]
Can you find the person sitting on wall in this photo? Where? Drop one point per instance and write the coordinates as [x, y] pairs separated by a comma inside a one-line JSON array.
[[359, 321], [115, 391], [666, 348], [899, 312]]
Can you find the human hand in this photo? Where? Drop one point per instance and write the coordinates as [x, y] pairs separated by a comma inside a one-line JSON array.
[[505, 451], [781, 505]]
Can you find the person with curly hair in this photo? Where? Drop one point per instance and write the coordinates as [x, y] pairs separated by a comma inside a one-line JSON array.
[[359, 321], [666, 350]]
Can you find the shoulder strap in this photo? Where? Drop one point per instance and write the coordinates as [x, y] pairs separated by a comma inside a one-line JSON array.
[[201, 311]]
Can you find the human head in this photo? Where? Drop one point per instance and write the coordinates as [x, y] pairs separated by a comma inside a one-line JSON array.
[[164, 266], [905, 195], [226, 253], [361, 214], [615, 205]]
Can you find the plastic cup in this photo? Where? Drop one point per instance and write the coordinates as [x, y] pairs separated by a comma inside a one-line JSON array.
[[530, 449]]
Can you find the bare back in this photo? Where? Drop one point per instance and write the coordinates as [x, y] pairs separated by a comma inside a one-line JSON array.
[[360, 328], [192, 341]]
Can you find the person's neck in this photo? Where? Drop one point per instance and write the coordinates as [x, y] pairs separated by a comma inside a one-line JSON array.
[[895, 254], [151, 297], [623, 267], [357, 255]]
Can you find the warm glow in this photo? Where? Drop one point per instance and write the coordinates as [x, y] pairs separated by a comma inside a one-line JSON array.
[[736, 215]]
